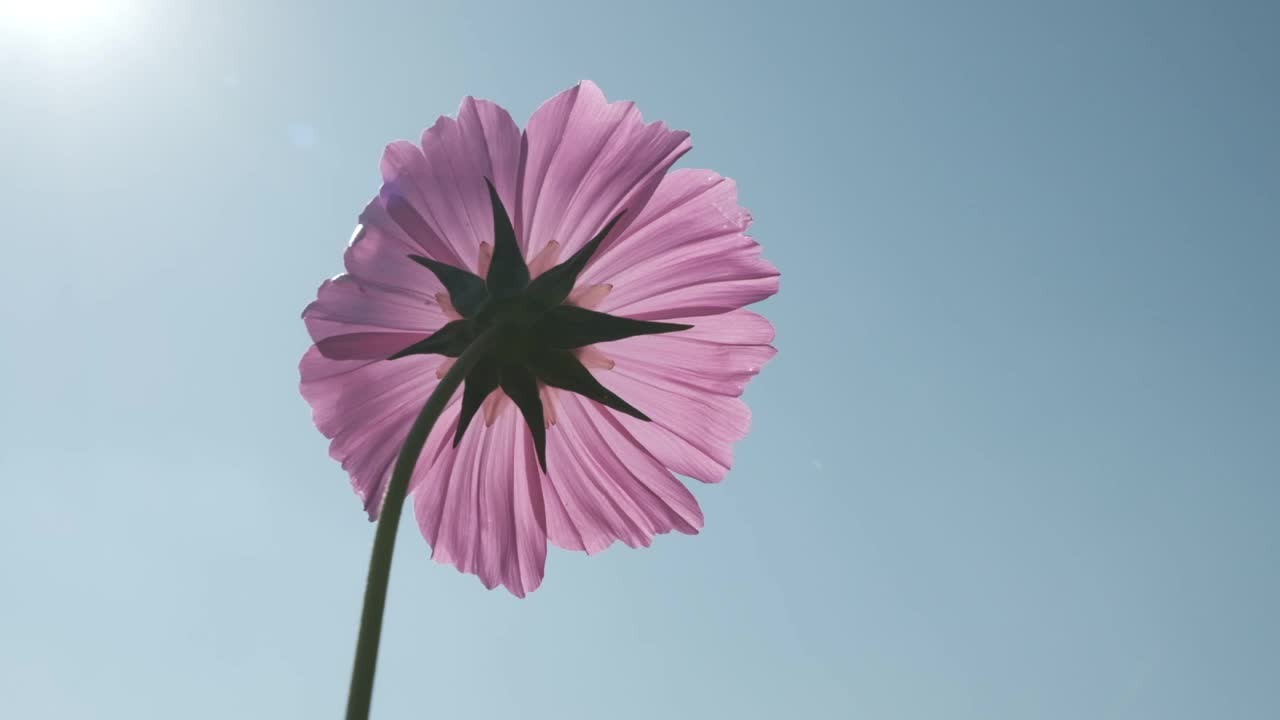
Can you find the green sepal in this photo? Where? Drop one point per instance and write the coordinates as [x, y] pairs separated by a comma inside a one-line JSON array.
[[552, 287], [482, 380], [466, 290], [562, 369], [449, 341], [522, 387], [508, 274], [567, 327]]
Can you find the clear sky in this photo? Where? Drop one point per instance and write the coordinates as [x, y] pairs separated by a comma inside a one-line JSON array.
[[1016, 458]]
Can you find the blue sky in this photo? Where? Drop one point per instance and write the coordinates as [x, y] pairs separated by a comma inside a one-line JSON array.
[[1016, 458]]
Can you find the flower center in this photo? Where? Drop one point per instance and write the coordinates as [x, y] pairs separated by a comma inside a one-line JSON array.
[[538, 333], [516, 319]]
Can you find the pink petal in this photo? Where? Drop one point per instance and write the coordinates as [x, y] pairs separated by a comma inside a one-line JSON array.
[[480, 505], [693, 361], [366, 346], [365, 408], [349, 321], [686, 255], [379, 255], [436, 193], [586, 160], [680, 253], [603, 486], [688, 383]]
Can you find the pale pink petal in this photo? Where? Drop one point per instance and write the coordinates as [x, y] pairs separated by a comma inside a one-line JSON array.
[[480, 505], [687, 254], [436, 193], [601, 486], [550, 405], [587, 159], [365, 408], [494, 404], [589, 296], [446, 306], [546, 259], [592, 356], [688, 383]]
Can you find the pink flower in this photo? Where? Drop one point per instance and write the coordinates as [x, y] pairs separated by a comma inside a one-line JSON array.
[[620, 288]]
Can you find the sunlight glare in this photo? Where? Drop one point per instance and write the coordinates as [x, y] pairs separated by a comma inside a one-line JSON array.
[[60, 21]]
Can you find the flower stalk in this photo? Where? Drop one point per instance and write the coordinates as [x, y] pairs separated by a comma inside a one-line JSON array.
[[384, 539]]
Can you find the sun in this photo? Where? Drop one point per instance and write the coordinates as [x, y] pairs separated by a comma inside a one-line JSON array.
[[61, 21]]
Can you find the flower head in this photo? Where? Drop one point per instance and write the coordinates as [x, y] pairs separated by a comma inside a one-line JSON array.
[[616, 288]]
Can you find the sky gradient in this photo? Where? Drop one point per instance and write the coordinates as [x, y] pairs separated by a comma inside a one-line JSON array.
[[1016, 458]]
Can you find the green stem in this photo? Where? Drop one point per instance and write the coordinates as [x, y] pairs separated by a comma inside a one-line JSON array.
[[384, 540]]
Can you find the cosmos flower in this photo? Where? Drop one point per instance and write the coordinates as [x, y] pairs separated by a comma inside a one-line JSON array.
[[617, 286]]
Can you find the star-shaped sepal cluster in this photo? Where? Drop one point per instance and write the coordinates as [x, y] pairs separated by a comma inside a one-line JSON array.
[[538, 333]]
